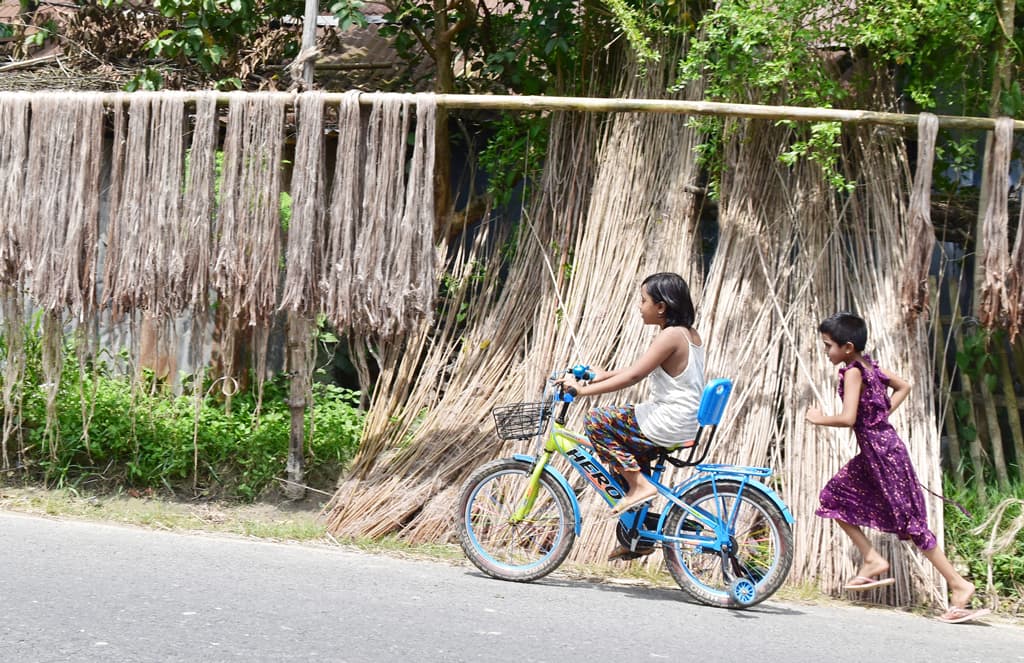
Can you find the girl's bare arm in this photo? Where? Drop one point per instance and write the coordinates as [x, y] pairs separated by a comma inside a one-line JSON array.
[[601, 376], [660, 349], [853, 381]]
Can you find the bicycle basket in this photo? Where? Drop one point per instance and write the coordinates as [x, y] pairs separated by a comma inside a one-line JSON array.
[[520, 421]]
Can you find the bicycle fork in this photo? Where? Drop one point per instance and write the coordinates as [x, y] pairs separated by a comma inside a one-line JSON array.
[[532, 489]]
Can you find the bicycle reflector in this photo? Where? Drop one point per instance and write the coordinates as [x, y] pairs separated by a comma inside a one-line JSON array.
[[713, 401]]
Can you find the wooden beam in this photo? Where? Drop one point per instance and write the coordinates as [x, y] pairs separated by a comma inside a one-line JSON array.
[[671, 106]]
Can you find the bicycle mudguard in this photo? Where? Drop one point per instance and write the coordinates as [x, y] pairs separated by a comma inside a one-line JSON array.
[[552, 472], [724, 473]]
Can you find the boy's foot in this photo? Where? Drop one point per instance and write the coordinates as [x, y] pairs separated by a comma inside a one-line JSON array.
[[960, 597], [961, 615], [869, 576], [862, 583], [874, 567]]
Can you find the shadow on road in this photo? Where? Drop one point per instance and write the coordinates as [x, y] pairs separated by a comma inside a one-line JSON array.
[[645, 593]]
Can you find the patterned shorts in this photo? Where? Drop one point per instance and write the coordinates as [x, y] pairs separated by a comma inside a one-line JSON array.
[[617, 439]]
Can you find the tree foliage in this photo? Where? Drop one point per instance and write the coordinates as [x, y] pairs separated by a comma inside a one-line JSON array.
[[775, 48], [816, 53]]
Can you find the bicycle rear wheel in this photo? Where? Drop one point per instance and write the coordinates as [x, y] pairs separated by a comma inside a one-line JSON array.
[[763, 544], [519, 551]]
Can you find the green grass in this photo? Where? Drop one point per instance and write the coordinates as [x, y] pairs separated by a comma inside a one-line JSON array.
[[260, 520]]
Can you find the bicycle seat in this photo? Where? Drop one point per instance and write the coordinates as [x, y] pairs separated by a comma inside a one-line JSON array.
[[713, 401], [709, 414]]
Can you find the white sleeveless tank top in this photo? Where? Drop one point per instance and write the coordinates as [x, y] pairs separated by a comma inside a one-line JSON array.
[[669, 417]]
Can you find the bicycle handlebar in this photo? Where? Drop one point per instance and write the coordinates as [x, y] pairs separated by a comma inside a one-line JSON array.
[[566, 395]]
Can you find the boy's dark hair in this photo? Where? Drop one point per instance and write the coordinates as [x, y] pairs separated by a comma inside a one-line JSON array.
[[846, 328], [670, 289]]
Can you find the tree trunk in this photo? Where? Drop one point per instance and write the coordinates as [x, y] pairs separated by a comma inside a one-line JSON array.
[[444, 83]]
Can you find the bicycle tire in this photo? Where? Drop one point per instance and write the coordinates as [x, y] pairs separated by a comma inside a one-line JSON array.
[[764, 543], [519, 552]]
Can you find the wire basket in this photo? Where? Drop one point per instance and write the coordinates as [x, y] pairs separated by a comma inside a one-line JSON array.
[[519, 421]]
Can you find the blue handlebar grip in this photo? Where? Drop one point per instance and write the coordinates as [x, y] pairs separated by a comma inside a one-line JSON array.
[[567, 397]]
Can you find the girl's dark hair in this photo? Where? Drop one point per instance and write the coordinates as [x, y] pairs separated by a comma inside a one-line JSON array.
[[671, 290], [846, 328]]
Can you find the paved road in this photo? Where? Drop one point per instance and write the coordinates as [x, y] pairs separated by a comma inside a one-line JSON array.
[[86, 592]]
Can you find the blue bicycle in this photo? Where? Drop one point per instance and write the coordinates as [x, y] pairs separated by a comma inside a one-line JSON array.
[[726, 537]]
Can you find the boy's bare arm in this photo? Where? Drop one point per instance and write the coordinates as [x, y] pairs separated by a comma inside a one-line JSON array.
[[900, 390], [852, 384]]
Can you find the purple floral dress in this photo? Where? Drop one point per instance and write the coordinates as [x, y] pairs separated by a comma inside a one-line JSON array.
[[878, 488]]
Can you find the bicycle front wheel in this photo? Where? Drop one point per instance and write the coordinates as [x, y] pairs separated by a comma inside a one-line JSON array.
[[502, 546], [761, 536]]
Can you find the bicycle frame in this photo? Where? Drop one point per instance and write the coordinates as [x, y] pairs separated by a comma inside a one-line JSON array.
[[514, 513], [574, 447]]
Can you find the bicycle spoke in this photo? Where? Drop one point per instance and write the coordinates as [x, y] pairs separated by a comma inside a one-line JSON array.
[[760, 540], [508, 542]]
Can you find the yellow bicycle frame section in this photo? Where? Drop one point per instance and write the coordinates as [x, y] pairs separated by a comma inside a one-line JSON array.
[[575, 447]]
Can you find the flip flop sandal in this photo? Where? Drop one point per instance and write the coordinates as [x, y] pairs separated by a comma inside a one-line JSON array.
[[867, 583], [961, 615]]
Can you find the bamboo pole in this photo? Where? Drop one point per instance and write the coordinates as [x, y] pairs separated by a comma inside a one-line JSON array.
[[620, 105], [299, 340], [949, 420], [995, 435], [976, 451]]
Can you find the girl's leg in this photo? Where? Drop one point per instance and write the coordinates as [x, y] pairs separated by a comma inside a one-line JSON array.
[[615, 436], [639, 488], [960, 588], [872, 563]]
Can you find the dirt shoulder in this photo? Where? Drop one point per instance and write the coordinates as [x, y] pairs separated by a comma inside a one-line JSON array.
[[275, 519]]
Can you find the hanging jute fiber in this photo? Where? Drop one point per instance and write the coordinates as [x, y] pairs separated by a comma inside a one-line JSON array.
[[59, 218], [993, 302], [196, 236], [246, 258], [380, 270], [60, 209], [343, 216], [143, 259], [919, 222], [305, 230], [14, 118]]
